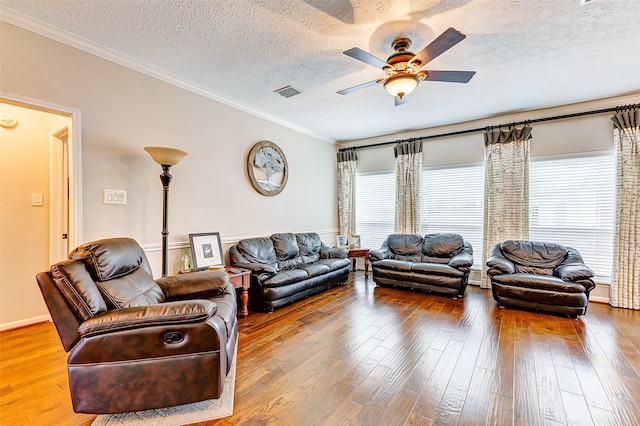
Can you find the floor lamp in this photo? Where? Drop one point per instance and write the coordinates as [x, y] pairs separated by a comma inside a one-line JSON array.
[[166, 157]]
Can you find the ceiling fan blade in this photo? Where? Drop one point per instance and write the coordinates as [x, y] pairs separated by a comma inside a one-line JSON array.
[[360, 86], [400, 101], [365, 57], [444, 42], [449, 76]]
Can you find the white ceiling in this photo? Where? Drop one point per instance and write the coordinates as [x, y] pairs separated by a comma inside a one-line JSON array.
[[527, 54]]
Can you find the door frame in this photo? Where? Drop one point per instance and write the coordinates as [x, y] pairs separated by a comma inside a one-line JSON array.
[[74, 155]]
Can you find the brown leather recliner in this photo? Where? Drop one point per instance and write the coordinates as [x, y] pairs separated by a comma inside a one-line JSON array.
[[537, 275], [135, 343]]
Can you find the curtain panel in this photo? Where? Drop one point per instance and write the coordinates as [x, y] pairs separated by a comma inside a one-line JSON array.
[[506, 189], [347, 192], [625, 280], [408, 175]]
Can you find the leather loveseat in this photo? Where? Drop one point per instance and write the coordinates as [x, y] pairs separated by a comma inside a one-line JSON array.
[[135, 343], [287, 267], [538, 275], [435, 262]]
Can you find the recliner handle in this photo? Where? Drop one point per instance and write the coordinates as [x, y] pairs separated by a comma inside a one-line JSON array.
[[173, 337]]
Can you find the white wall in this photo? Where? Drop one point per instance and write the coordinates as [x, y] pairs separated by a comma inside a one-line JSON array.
[[123, 110], [583, 134]]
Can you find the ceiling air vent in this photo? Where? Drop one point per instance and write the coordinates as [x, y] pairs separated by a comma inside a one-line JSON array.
[[287, 91]]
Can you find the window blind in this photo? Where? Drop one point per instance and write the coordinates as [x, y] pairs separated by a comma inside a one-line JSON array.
[[452, 200], [375, 207], [572, 202]]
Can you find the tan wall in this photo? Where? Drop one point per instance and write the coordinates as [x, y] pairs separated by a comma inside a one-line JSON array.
[[24, 229], [123, 110]]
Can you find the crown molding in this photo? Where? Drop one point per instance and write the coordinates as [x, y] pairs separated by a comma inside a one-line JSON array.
[[30, 24]]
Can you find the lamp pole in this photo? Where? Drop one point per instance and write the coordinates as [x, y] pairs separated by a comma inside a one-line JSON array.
[[166, 157], [165, 178]]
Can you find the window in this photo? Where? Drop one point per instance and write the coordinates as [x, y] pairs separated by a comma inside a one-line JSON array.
[[375, 207], [572, 202], [452, 199]]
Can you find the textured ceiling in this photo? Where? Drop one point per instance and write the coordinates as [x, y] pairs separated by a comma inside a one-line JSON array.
[[527, 54]]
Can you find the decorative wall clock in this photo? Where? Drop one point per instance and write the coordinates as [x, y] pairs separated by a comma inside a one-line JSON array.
[[268, 168]]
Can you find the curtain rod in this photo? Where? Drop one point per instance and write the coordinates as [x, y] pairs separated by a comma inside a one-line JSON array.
[[486, 128]]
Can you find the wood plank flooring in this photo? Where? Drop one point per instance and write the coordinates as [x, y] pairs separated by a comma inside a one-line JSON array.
[[366, 355]]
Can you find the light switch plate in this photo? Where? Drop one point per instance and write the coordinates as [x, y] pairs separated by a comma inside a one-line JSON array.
[[37, 200], [113, 196]]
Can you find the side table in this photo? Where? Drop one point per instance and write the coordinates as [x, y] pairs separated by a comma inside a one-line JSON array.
[[358, 252], [241, 280]]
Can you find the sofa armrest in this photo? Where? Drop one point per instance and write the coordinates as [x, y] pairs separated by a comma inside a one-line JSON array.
[[169, 313], [464, 259], [333, 252], [258, 268], [379, 254], [500, 263], [198, 285], [573, 272]]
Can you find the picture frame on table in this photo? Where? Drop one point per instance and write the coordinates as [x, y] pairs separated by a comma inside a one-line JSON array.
[[342, 241], [354, 241], [206, 251]]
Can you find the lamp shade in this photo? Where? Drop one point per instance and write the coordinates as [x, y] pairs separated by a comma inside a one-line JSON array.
[[401, 84], [165, 156]]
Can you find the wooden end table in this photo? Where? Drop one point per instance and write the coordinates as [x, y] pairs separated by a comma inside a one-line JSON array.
[[241, 280], [359, 252]]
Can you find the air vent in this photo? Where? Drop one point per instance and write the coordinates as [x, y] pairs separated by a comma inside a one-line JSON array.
[[287, 91], [583, 2]]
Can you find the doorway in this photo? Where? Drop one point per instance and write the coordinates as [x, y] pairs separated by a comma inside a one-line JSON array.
[[41, 201]]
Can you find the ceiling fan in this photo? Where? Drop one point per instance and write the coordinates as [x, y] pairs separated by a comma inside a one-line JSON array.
[[404, 68]]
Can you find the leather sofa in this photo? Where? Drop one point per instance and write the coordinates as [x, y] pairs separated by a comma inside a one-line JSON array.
[[135, 343], [541, 276], [435, 262], [287, 267]]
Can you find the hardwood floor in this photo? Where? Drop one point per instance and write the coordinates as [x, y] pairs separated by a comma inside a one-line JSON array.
[[366, 355]]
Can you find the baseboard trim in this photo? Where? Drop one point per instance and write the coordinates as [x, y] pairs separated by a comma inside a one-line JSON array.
[[24, 322]]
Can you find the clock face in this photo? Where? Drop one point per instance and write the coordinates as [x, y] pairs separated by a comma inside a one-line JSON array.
[[7, 120], [267, 167]]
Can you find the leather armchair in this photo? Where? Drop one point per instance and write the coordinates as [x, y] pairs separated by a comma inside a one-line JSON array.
[[438, 262], [541, 276], [135, 343]]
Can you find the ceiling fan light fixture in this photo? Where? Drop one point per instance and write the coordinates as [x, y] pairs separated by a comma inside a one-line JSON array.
[[401, 84]]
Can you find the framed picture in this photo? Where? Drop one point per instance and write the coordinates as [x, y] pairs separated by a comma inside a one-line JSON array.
[[355, 241], [342, 241], [206, 250]]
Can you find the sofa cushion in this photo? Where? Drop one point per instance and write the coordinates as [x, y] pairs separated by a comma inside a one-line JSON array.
[[439, 260], [110, 258], [285, 245], [315, 269], [533, 270], [309, 245], [134, 289], [436, 269], [286, 277], [258, 250], [442, 245], [533, 253], [76, 285], [540, 282], [334, 263], [405, 246], [394, 265], [287, 253]]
